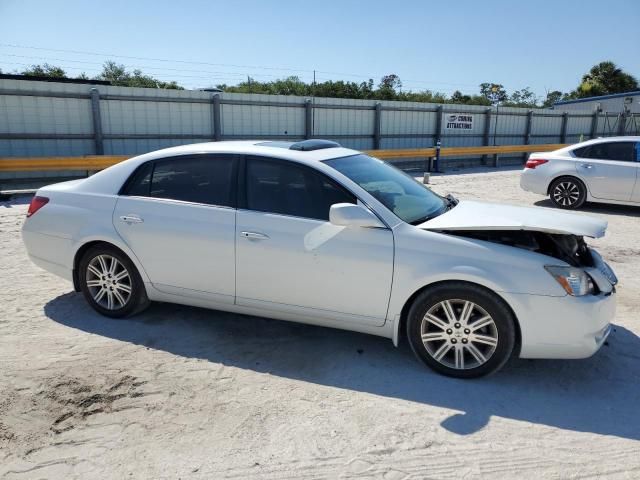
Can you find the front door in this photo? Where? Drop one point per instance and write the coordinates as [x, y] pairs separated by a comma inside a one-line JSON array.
[[291, 258], [177, 215], [609, 169]]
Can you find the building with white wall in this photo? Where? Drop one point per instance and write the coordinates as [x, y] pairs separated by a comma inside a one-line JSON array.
[[616, 103]]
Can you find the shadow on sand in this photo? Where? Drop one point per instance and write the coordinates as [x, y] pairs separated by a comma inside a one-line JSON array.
[[598, 395], [10, 201]]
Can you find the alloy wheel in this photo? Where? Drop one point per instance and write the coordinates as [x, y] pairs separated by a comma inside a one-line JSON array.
[[459, 334], [109, 282], [566, 194]]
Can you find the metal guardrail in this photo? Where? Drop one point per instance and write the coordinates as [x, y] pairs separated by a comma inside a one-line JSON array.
[[28, 164], [99, 162], [463, 151]]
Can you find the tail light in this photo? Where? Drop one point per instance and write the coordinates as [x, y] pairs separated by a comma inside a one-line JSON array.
[[36, 204], [535, 162]]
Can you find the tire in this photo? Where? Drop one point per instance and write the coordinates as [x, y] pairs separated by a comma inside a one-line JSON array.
[[568, 193], [449, 347], [113, 289]]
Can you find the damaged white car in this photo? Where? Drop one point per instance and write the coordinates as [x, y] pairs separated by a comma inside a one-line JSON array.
[[315, 233]]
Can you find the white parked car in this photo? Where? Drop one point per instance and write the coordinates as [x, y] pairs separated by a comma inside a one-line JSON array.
[[601, 170], [312, 232]]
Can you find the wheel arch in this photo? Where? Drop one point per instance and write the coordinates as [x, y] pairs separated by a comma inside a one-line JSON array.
[[400, 327], [80, 251], [568, 176]]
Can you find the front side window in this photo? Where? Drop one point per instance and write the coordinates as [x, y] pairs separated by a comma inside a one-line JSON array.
[[621, 151], [403, 195], [207, 179], [286, 188]]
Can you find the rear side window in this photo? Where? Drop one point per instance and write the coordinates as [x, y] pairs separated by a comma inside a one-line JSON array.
[[140, 183], [207, 179], [289, 189], [620, 151]]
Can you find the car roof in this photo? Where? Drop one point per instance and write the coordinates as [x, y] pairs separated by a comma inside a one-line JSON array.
[[276, 149], [596, 141], [111, 179]]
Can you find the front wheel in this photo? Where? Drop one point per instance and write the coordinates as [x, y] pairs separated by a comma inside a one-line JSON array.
[[568, 192], [110, 282], [461, 330]]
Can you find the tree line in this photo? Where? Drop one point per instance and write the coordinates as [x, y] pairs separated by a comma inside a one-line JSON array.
[[602, 79]]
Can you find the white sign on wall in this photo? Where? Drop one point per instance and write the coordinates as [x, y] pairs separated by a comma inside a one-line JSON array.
[[458, 121]]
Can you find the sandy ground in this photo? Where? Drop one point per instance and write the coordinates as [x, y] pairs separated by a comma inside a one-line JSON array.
[[182, 392]]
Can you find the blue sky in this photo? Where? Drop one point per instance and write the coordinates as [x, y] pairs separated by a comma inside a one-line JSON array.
[[442, 46]]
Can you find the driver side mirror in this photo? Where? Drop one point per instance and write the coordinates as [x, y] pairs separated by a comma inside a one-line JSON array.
[[350, 215]]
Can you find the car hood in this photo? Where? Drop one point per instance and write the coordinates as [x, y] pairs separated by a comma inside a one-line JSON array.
[[471, 215]]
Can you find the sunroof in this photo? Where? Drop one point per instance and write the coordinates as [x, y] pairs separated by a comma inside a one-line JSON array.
[[303, 145], [314, 144], [275, 144]]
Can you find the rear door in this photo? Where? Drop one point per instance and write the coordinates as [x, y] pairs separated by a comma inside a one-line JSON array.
[[178, 216], [609, 169]]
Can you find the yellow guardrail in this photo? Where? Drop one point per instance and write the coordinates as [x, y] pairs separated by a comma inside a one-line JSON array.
[[463, 151], [99, 162], [90, 162]]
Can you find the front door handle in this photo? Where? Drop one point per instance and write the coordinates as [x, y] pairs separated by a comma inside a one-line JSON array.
[[131, 219], [254, 235]]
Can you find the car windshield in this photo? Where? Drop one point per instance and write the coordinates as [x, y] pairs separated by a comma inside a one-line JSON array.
[[410, 200]]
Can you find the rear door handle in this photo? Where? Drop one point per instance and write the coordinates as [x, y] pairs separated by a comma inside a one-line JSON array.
[[254, 235], [586, 165], [131, 219]]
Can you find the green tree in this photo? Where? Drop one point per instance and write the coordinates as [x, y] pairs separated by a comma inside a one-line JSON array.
[[44, 70], [494, 92], [603, 79], [464, 99], [389, 87], [114, 73], [553, 97], [459, 97], [117, 74], [522, 98]]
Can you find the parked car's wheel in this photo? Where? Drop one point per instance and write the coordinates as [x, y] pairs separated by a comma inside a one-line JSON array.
[[110, 282], [568, 192], [461, 330]]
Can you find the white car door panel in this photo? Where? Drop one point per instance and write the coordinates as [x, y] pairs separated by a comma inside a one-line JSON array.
[[338, 272], [607, 179], [289, 256], [184, 248], [606, 176], [177, 216]]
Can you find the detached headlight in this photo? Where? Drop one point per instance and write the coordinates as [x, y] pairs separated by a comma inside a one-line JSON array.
[[574, 280]]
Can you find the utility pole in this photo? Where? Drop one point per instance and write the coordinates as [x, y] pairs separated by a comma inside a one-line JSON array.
[[495, 99], [313, 100]]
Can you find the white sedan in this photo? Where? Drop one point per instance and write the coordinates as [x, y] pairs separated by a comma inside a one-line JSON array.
[[312, 232], [602, 170]]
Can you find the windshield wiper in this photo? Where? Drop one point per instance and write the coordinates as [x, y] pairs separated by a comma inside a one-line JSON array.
[[422, 219], [449, 202]]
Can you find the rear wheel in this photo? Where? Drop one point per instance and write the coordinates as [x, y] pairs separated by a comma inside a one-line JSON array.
[[568, 192], [111, 283], [461, 330]]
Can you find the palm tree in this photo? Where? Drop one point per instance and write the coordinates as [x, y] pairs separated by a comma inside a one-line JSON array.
[[603, 79]]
